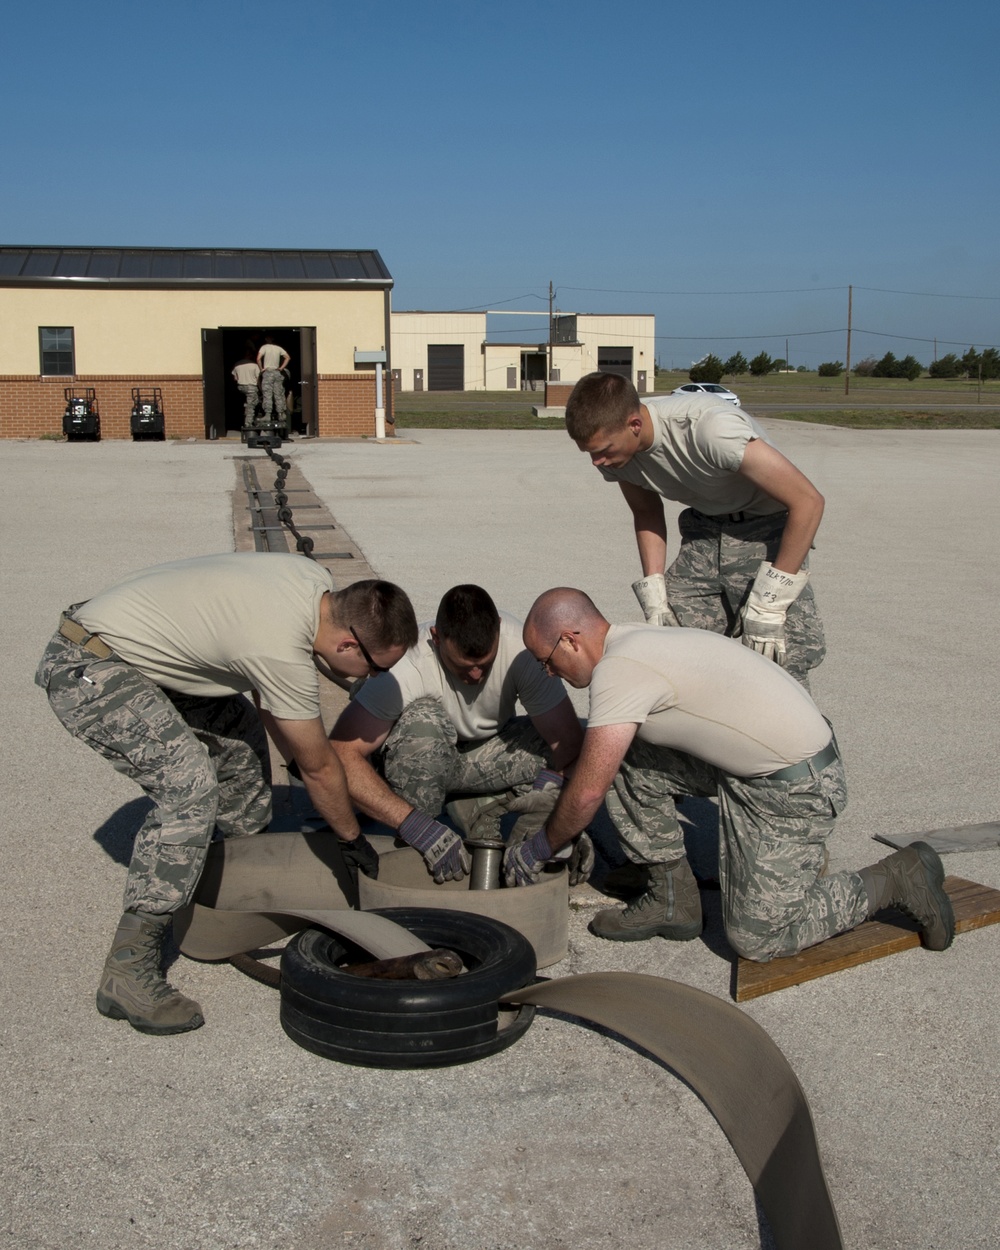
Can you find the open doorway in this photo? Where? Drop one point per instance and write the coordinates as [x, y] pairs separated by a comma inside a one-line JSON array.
[[532, 371], [225, 347]]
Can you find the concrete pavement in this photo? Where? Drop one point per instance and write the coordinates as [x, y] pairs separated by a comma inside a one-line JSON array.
[[233, 1137]]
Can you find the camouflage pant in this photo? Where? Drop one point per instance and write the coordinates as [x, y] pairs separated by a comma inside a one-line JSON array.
[[423, 761], [250, 397], [272, 389], [772, 839], [711, 577], [203, 762]]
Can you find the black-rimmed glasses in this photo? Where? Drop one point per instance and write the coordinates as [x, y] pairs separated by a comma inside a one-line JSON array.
[[548, 659], [375, 668]]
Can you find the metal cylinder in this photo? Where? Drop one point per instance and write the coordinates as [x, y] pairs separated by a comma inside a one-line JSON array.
[[487, 857]]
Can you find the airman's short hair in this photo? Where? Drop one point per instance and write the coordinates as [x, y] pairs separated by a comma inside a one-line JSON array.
[[380, 611], [469, 619], [599, 402]]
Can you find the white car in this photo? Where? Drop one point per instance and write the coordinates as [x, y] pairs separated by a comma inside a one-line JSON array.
[[707, 388]]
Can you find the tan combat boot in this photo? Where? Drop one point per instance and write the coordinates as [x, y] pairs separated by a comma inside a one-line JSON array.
[[911, 880], [133, 986], [670, 908]]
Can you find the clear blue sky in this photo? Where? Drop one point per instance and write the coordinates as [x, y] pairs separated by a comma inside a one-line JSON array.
[[730, 167]]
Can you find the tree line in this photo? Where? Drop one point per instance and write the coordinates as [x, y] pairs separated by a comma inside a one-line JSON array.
[[973, 364]]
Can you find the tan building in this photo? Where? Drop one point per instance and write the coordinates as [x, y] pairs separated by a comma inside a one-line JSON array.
[[114, 319], [449, 351]]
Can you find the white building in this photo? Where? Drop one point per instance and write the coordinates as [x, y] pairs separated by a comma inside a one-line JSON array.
[[449, 351]]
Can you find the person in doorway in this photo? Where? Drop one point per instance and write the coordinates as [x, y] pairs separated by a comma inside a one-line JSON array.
[[442, 723], [246, 375], [750, 519], [272, 359], [682, 711], [153, 675]]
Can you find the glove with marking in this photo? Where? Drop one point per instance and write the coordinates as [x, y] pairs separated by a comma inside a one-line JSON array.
[[652, 595], [360, 856], [523, 862], [443, 851], [762, 621]]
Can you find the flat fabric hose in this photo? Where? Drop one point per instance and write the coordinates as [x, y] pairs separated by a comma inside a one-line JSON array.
[[276, 887], [737, 1071]]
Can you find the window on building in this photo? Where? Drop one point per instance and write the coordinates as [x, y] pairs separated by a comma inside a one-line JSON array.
[[55, 348]]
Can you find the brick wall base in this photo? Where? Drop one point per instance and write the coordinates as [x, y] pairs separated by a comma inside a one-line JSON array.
[[346, 405], [31, 406], [556, 394]]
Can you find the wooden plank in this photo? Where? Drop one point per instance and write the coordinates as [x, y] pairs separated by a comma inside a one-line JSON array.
[[975, 907]]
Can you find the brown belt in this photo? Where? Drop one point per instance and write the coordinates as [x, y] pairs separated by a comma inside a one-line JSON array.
[[74, 632]]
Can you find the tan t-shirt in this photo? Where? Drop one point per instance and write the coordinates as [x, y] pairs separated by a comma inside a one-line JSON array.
[[246, 373], [477, 712], [270, 356], [710, 696], [697, 449], [221, 624]]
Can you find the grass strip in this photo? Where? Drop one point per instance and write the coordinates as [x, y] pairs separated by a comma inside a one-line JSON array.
[[896, 419]]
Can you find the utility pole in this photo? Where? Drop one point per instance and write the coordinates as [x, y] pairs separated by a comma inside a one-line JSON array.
[[548, 375], [847, 375]]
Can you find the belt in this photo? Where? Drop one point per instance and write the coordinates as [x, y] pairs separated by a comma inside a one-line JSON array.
[[75, 632], [794, 771], [735, 518]]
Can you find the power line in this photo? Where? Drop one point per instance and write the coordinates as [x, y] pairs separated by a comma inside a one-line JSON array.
[[778, 291], [606, 290], [914, 338], [490, 303], [731, 338], [924, 294]]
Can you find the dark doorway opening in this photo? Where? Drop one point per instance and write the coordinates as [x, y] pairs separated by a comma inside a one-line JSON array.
[[533, 371], [225, 347]]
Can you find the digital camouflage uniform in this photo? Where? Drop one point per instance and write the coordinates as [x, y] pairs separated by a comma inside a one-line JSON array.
[[772, 840], [423, 761], [714, 570], [204, 762], [272, 389], [250, 396]]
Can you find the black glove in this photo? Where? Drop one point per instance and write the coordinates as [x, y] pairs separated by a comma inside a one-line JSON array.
[[360, 856]]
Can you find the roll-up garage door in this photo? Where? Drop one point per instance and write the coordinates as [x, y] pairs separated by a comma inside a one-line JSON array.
[[615, 360], [445, 367]]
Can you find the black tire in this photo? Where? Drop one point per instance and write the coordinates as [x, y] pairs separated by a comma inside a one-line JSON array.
[[416, 1058], [403, 1024]]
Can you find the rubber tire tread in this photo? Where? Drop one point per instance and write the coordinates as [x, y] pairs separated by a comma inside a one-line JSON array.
[[334, 1014], [414, 1041], [406, 1024], [401, 1060]]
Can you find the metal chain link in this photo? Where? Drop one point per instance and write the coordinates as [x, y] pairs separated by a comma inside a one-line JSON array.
[[303, 543]]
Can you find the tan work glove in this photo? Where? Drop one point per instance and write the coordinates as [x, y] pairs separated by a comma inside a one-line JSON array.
[[536, 806], [762, 621], [652, 595]]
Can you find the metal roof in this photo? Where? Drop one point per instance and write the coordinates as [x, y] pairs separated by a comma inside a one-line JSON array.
[[181, 266]]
